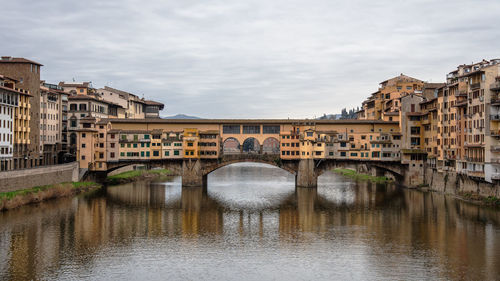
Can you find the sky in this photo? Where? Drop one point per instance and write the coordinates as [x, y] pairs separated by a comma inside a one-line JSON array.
[[252, 58]]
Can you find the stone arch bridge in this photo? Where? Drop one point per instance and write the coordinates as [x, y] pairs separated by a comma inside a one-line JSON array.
[[194, 172]]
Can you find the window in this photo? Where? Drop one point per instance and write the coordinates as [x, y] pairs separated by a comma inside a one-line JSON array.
[[83, 145], [146, 137], [83, 135], [156, 153], [343, 153], [189, 144], [231, 129], [415, 130], [112, 145], [135, 145], [343, 144], [271, 129], [309, 134], [83, 157], [247, 129], [166, 153], [112, 155], [122, 145], [122, 154], [142, 153], [176, 152]]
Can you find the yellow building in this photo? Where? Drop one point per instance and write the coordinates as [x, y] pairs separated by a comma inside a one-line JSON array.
[[190, 140]]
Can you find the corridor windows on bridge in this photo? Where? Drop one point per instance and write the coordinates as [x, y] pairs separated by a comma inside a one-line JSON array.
[[271, 129], [231, 129], [249, 129]]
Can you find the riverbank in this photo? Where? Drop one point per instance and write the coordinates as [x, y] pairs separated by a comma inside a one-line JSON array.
[[137, 175], [472, 194], [14, 199], [357, 176]]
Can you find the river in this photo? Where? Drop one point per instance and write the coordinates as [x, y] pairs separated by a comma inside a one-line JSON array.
[[251, 223]]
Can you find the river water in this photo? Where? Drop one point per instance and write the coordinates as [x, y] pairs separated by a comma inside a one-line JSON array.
[[251, 223]]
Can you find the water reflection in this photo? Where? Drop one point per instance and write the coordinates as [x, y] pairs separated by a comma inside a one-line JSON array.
[[252, 222]]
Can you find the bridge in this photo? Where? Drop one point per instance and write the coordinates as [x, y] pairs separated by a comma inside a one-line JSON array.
[[195, 148]]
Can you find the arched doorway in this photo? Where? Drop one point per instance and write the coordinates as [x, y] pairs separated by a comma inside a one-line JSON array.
[[271, 146], [231, 146], [251, 145]]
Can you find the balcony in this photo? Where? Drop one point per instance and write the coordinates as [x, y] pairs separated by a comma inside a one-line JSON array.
[[461, 93], [475, 86], [495, 117], [476, 174], [495, 86]]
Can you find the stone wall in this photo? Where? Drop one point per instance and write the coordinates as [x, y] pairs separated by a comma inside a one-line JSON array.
[[457, 184], [27, 178]]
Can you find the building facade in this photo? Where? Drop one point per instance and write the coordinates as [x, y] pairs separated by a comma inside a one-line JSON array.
[[27, 153]]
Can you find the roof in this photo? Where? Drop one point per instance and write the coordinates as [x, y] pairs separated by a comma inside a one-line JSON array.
[[8, 59], [150, 102], [77, 85], [433, 85], [402, 76], [250, 121], [428, 100], [87, 97], [472, 73], [393, 113], [4, 77], [16, 90], [415, 113]]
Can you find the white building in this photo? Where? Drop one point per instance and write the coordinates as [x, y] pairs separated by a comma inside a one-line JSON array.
[[9, 100]]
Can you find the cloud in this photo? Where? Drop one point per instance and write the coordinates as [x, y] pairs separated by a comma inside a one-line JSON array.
[[249, 59]]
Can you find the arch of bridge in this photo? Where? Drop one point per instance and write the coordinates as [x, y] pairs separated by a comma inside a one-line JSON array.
[[210, 168], [242, 137]]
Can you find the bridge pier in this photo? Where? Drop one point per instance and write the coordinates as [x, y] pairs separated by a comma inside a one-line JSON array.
[[306, 176], [192, 174]]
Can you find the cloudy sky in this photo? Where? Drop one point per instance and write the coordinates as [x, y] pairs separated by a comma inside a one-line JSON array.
[[252, 58]]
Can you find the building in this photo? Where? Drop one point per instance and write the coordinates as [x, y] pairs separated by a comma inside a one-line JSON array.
[[134, 107], [51, 117], [9, 102], [27, 149], [384, 104]]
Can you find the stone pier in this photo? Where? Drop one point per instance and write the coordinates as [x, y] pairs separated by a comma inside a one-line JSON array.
[[306, 176], [192, 174]]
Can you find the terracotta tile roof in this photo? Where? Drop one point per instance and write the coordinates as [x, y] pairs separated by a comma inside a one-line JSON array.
[[150, 102], [4, 77], [7, 59], [16, 90]]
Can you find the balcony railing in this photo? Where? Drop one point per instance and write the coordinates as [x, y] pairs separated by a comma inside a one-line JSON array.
[[495, 86], [495, 117], [495, 176], [475, 86]]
